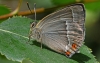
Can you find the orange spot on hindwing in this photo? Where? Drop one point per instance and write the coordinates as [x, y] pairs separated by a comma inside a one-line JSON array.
[[74, 46], [68, 53]]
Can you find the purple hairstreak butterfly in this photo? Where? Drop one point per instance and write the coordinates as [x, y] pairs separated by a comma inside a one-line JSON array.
[[62, 31]]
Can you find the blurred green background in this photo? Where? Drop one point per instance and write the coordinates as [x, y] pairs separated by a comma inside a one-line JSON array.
[[92, 23]]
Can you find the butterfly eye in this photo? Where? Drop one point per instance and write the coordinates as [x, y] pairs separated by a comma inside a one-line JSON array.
[[33, 24]]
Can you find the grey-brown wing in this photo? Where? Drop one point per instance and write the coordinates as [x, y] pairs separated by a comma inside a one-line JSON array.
[[56, 39], [63, 27]]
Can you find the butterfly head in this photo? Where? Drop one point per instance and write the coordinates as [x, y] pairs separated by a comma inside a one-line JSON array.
[[32, 30]]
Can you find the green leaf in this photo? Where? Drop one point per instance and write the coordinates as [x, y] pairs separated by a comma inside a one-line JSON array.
[[3, 59], [13, 38], [4, 10], [93, 6], [60, 2]]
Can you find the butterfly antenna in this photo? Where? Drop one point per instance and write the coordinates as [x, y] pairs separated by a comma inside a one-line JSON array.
[[34, 9], [29, 7]]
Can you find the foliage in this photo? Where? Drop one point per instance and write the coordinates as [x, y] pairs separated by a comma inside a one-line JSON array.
[[13, 35]]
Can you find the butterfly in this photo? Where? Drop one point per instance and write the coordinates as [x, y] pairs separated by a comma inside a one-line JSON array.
[[62, 31]]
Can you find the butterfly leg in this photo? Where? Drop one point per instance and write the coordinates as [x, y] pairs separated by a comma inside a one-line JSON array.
[[41, 45]]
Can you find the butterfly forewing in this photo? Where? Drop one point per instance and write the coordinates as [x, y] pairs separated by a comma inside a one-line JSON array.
[[63, 30]]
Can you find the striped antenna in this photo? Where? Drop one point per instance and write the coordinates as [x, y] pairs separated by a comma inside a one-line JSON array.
[[34, 9]]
